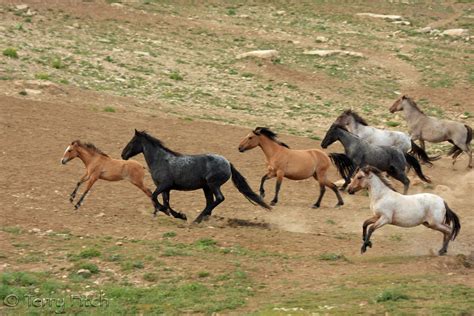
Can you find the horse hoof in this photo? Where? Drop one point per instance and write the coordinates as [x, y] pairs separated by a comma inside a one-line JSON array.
[[273, 203], [183, 217], [442, 252], [315, 206], [339, 205], [369, 244], [76, 206], [262, 195], [363, 249]]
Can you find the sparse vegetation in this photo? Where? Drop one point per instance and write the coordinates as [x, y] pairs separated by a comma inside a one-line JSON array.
[[10, 52]]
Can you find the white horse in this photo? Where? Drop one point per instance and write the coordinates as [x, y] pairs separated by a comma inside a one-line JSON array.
[[355, 124], [391, 207]]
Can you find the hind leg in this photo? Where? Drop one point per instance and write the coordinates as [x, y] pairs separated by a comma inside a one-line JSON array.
[[264, 178], [211, 191], [401, 176], [368, 222], [446, 230], [322, 190]]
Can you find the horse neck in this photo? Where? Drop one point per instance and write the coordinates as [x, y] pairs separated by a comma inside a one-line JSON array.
[[85, 155], [347, 139], [358, 128], [269, 147], [377, 188], [411, 113], [154, 153]]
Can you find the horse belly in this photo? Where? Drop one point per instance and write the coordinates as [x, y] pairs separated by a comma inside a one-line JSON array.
[[300, 170]]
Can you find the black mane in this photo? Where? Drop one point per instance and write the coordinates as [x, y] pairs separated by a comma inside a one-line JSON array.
[[90, 147], [159, 143], [270, 134], [356, 117]]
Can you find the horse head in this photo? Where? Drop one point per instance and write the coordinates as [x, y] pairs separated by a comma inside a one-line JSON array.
[[398, 105], [71, 152], [134, 146], [332, 135], [250, 141]]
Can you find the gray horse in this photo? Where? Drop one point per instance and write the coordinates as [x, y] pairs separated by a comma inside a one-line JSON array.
[[385, 158], [174, 171], [423, 127]]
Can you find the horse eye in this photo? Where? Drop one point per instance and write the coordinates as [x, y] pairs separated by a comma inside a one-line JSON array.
[[69, 150], [359, 177]]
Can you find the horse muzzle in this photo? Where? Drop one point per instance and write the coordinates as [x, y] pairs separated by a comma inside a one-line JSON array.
[[351, 191], [64, 161], [241, 149]]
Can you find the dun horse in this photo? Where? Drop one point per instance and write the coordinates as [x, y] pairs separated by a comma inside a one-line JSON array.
[[358, 126], [174, 171], [391, 207], [294, 164], [100, 166], [423, 127], [389, 159]]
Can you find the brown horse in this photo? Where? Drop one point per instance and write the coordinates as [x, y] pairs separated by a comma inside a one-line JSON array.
[[101, 166], [289, 163], [423, 127]]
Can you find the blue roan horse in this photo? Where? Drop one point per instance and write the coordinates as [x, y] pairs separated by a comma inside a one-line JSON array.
[[385, 158], [174, 171]]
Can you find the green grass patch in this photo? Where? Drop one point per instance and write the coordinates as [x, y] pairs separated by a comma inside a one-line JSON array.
[[89, 253], [10, 52], [109, 109], [329, 256], [390, 295], [392, 123], [176, 76]]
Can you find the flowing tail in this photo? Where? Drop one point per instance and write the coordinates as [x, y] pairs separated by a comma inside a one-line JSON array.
[[455, 151], [452, 217], [344, 165], [412, 162], [241, 184], [419, 153]]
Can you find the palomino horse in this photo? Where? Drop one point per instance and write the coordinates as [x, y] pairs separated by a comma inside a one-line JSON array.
[[423, 127], [391, 207], [355, 124], [100, 166], [293, 164], [174, 171], [389, 159]]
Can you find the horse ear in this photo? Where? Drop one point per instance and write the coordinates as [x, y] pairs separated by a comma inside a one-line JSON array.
[[136, 132], [404, 97]]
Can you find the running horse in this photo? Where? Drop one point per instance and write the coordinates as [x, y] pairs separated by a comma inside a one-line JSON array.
[[99, 165], [283, 162], [391, 207], [357, 125], [426, 128]]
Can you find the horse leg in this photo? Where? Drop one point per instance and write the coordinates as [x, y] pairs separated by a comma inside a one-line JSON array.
[[322, 190], [381, 221], [90, 183], [279, 175], [158, 207], [368, 222], [347, 180], [422, 144], [264, 178], [210, 202], [83, 179], [401, 176], [166, 203], [446, 230]]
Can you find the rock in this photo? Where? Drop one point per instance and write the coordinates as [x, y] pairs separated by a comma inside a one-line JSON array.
[[100, 215], [264, 54], [401, 22], [116, 4], [35, 230], [463, 116], [331, 52], [321, 39], [142, 53], [22, 7], [49, 231], [84, 273], [281, 12], [381, 16], [427, 29], [244, 16], [32, 91], [119, 243], [456, 32]]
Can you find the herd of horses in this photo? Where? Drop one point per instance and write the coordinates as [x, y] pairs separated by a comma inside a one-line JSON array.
[[368, 154]]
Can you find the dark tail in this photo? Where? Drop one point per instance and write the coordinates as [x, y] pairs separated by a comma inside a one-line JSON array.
[[419, 153], [452, 217], [343, 163], [416, 165], [455, 150], [241, 184]]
